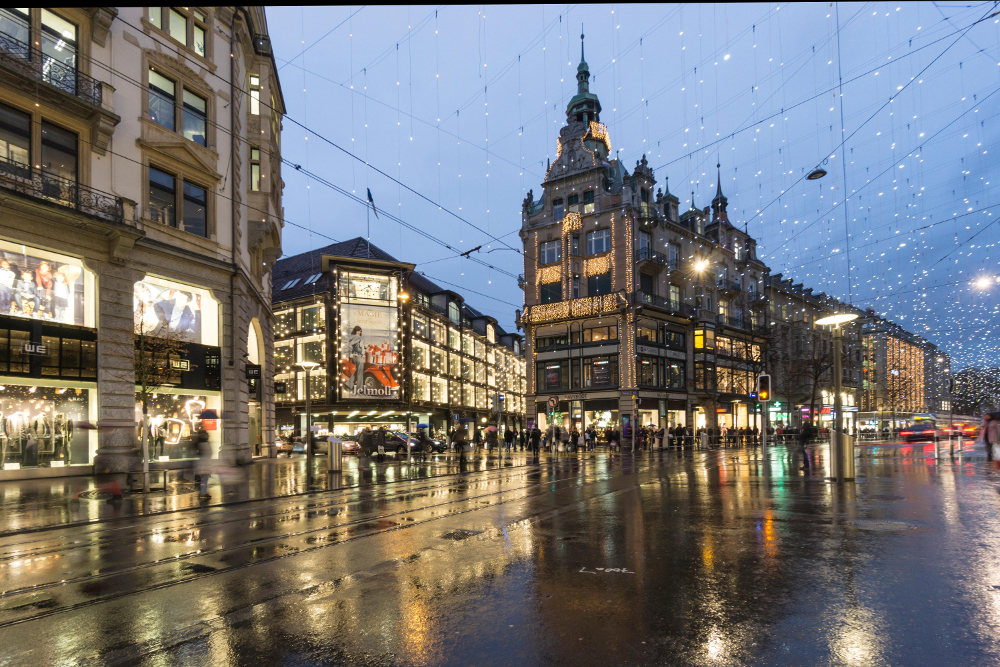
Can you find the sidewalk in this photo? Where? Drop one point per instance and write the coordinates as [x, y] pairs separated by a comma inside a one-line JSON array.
[[27, 505]]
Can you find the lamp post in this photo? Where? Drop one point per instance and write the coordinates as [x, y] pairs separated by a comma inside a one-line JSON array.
[[843, 460], [404, 298], [308, 366]]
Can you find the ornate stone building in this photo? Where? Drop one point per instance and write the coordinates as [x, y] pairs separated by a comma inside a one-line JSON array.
[[140, 185]]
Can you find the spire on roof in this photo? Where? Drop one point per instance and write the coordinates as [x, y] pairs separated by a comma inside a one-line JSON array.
[[584, 102], [720, 202]]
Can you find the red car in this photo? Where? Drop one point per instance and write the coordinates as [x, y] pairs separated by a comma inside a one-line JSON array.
[[380, 379]]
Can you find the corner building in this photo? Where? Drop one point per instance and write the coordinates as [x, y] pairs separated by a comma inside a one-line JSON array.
[[140, 188], [635, 313]]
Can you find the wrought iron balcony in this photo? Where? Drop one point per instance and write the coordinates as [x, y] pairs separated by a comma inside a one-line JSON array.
[[679, 307], [37, 184], [29, 61], [650, 255], [728, 285]]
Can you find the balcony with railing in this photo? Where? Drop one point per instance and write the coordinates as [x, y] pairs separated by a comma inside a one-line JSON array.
[[726, 285], [29, 61], [677, 307], [744, 323], [649, 255], [758, 300], [39, 185]]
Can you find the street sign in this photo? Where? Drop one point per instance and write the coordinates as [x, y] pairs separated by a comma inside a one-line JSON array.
[[553, 402], [253, 371]]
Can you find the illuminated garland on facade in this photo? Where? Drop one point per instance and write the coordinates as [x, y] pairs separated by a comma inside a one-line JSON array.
[[597, 266], [584, 307], [549, 274], [571, 222], [599, 131], [558, 154]]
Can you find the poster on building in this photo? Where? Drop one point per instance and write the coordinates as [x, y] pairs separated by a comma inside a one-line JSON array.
[[36, 285], [368, 352], [165, 311]]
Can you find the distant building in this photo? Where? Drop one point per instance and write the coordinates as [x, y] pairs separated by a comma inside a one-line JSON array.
[[388, 347], [894, 385]]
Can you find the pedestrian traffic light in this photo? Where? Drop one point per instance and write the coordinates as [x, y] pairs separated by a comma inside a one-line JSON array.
[[764, 388]]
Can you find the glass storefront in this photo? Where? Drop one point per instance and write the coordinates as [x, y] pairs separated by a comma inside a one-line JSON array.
[[46, 425], [174, 418]]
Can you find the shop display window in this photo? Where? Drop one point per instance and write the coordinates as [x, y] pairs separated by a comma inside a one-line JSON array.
[[167, 309], [40, 285], [41, 426], [600, 371], [439, 360], [454, 339], [421, 387], [439, 390], [438, 334], [312, 318], [454, 365], [286, 322], [174, 420], [456, 393], [420, 354], [420, 325]]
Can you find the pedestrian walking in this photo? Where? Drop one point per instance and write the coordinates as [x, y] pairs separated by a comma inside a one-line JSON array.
[[536, 438], [989, 435], [204, 449], [805, 434]]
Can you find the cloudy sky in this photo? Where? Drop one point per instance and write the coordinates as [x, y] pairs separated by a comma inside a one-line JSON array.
[[457, 109]]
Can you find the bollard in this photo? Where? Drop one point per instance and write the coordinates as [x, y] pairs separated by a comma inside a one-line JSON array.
[[846, 467], [704, 440], [335, 454]]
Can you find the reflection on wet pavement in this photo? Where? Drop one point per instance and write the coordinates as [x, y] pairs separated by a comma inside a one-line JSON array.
[[694, 558]]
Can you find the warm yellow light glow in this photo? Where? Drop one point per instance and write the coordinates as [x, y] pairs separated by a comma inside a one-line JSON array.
[[837, 318], [700, 265], [983, 282]]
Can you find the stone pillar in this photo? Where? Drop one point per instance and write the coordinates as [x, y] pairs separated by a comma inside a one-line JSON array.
[[235, 398], [116, 450]]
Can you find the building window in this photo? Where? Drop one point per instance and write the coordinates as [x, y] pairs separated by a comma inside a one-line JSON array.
[[600, 371], [15, 142], [161, 100], [189, 27], [645, 244], [557, 209], [648, 371], [574, 203], [195, 210], [674, 339], [723, 308], [675, 296], [645, 331], [646, 283], [588, 202], [598, 334], [599, 284], [575, 247], [162, 197], [552, 375], [454, 314], [195, 118], [576, 287], [164, 108], [704, 339], [255, 169], [59, 158], [551, 252], [255, 95], [550, 292], [674, 374], [163, 190], [599, 241]]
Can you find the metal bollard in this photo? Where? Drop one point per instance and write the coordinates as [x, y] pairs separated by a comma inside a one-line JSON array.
[[335, 453]]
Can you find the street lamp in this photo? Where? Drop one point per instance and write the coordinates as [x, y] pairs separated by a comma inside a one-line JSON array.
[[308, 366], [843, 462]]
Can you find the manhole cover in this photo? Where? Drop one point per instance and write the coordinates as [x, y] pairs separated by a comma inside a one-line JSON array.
[[880, 524], [460, 534]]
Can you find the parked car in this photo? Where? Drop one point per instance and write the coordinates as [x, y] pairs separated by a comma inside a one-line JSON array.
[[437, 446]]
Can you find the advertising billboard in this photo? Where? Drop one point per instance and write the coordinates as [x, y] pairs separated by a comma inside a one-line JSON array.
[[40, 285], [368, 352], [167, 312]]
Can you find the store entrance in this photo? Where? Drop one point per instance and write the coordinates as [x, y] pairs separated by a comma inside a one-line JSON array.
[[256, 429]]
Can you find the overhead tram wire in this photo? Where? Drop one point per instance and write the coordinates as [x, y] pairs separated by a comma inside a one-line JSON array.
[[344, 150], [809, 99], [871, 181], [893, 96], [330, 32]]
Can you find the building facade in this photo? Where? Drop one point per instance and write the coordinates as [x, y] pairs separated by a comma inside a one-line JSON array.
[[634, 313], [141, 194], [387, 347]]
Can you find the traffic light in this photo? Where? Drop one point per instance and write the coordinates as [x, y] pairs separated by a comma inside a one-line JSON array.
[[764, 388]]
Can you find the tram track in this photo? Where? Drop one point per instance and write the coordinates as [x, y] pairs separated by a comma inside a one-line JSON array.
[[377, 524]]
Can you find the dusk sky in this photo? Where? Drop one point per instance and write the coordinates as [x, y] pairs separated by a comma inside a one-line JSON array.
[[462, 106]]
